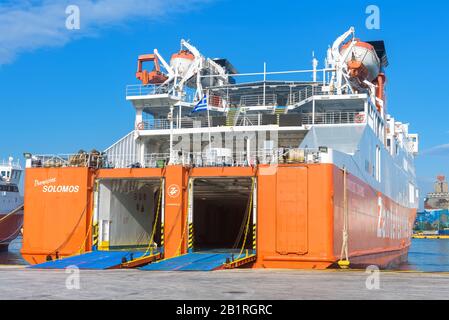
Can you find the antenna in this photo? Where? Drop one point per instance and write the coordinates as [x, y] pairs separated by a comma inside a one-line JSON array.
[[315, 66]]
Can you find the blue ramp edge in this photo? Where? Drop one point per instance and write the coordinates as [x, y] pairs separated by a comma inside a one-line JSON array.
[[190, 262], [95, 260]]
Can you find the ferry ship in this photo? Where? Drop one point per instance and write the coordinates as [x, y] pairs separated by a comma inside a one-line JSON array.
[[11, 202], [226, 169]]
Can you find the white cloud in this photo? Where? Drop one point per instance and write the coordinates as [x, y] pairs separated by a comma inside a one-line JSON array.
[[27, 25], [441, 150]]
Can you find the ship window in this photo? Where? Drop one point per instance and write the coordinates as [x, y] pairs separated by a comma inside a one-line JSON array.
[[5, 188], [378, 164], [411, 193], [3, 173]]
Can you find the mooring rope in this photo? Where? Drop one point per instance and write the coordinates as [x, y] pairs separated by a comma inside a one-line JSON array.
[[344, 263], [249, 218], [10, 237], [153, 232], [11, 213], [178, 251]]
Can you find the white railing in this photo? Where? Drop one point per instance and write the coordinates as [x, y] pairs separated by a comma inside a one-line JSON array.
[[11, 164], [220, 157], [164, 124], [143, 90], [136, 90], [249, 120], [156, 160], [338, 117], [190, 123], [121, 161], [156, 124], [305, 93], [258, 100], [226, 158], [334, 117], [81, 159]]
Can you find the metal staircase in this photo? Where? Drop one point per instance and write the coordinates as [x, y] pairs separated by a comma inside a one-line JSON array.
[[232, 116], [304, 96], [278, 111]]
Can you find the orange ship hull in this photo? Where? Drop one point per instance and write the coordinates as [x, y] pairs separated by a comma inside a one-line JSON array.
[[298, 221]]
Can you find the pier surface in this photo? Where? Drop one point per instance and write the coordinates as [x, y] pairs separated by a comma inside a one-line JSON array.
[[20, 283]]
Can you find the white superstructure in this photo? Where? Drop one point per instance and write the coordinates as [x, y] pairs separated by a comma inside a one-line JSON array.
[[199, 111], [10, 174]]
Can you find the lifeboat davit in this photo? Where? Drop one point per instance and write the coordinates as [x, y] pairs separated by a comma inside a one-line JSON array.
[[363, 62], [152, 77]]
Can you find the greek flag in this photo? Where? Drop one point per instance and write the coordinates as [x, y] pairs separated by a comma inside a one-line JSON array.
[[201, 105]]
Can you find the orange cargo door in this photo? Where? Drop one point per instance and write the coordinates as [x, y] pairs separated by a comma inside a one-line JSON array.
[[291, 210]]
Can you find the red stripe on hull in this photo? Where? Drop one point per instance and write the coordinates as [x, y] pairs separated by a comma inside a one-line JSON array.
[[388, 259], [300, 221], [379, 229], [10, 228]]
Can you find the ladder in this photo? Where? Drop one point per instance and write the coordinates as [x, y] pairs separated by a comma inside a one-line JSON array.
[[278, 111], [232, 116]]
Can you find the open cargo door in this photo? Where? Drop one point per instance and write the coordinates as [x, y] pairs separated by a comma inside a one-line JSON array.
[[221, 226]]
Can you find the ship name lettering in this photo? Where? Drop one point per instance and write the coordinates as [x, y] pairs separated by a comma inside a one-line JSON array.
[[61, 189]]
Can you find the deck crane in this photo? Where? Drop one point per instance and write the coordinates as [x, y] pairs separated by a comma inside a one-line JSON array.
[[152, 77], [187, 68], [337, 61], [358, 67], [200, 67]]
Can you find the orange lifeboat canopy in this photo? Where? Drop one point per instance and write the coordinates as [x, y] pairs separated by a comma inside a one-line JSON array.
[[183, 54]]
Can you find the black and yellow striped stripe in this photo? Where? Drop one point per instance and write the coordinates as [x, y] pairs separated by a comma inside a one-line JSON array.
[[162, 235], [254, 236], [95, 235], [190, 235]]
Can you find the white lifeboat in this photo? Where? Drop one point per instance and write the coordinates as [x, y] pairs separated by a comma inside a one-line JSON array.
[[181, 61], [363, 62]]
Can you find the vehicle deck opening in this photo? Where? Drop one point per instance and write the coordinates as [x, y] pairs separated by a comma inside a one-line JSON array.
[[222, 214], [129, 212]]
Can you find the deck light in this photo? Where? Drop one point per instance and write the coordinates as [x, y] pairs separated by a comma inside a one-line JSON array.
[[322, 149], [27, 155]]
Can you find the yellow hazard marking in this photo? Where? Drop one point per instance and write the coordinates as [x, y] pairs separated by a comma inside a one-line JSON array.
[[254, 236], [190, 235], [162, 235]]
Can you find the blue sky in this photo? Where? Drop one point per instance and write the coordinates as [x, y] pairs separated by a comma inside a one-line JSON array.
[[64, 90]]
